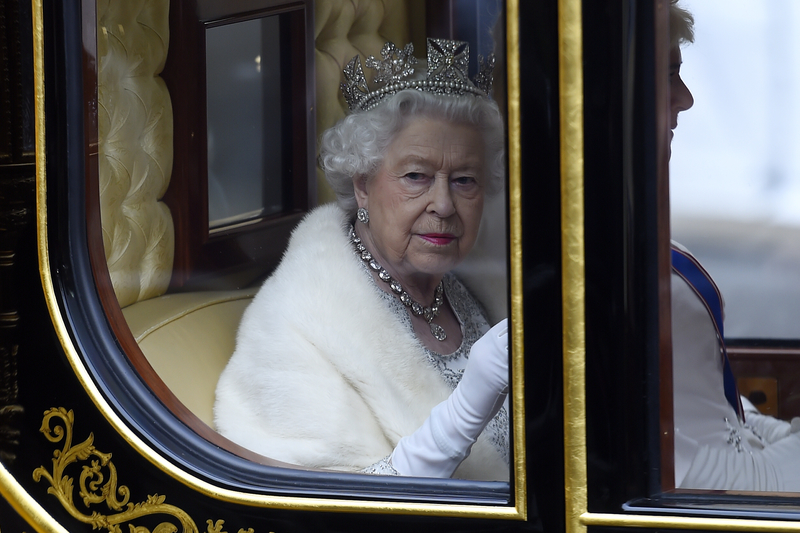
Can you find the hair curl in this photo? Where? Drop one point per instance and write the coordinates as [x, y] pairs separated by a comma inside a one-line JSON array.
[[356, 145], [681, 25]]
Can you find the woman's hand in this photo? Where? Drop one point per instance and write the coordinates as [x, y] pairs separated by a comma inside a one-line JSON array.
[[486, 376], [446, 437]]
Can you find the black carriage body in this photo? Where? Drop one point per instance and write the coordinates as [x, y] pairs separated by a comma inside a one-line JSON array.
[[87, 442]]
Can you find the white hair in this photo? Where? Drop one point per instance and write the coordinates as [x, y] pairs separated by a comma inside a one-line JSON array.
[[681, 25], [356, 145]]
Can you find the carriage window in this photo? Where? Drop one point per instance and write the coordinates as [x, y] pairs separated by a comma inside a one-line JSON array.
[[735, 206], [241, 181], [735, 172]]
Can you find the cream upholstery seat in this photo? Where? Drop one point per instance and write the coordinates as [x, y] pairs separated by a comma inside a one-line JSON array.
[[188, 339]]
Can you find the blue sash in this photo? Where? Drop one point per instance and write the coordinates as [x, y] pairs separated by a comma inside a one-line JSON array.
[[687, 267]]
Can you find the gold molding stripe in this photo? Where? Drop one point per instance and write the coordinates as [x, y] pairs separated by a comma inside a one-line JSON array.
[[516, 512], [13, 493], [687, 522], [25, 505], [515, 255], [570, 83]]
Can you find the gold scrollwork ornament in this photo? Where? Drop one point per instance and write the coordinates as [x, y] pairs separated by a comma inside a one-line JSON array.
[[93, 491], [216, 527]]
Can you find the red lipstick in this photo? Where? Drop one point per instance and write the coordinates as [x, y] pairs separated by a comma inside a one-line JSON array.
[[439, 239]]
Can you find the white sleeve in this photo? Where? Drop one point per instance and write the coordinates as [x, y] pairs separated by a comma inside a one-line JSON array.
[[773, 468], [713, 449], [701, 413], [771, 429]]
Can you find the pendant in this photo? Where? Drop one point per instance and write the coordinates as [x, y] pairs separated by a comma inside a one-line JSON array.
[[438, 332]]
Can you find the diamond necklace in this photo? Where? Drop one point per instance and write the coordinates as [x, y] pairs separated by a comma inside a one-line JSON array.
[[428, 313]]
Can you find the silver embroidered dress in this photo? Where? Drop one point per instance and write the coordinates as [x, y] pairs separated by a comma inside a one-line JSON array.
[[450, 367]]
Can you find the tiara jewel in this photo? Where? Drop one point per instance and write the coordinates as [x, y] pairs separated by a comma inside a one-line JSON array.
[[447, 73], [396, 64], [447, 60]]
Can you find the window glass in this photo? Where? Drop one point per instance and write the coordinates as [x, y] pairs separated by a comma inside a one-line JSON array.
[[735, 167], [186, 337], [735, 204], [244, 121]]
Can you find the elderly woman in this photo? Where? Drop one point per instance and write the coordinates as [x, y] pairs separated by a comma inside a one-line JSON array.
[[362, 352]]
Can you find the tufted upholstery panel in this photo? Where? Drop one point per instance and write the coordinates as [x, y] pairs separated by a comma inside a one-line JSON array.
[[135, 146], [345, 28]]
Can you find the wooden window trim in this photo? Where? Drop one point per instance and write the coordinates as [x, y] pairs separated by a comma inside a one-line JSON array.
[[237, 256]]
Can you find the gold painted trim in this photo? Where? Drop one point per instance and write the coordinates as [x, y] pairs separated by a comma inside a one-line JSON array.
[[517, 512], [515, 257], [19, 499], [686, 522], [26, 506], [101, 469], [570, 82]]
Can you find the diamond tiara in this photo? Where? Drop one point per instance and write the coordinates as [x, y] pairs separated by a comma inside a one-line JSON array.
[[447, 73]]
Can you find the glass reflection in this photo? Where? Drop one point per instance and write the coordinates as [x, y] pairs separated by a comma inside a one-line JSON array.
[[735, 168], [735, 195], [244, 121]]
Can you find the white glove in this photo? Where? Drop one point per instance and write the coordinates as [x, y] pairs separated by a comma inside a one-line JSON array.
[[446, 437]]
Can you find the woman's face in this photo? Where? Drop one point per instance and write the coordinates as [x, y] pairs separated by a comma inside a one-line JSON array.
[[425, 201]]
